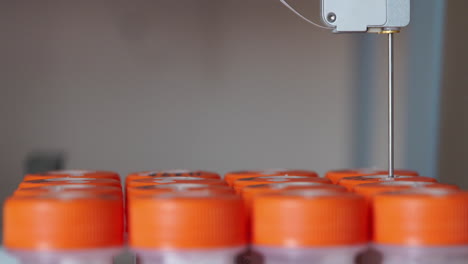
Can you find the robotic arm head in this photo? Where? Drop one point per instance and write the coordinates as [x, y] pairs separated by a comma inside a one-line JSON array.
[[374, 16]]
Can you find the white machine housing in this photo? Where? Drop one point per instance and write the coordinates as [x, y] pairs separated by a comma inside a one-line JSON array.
[[373, 16]]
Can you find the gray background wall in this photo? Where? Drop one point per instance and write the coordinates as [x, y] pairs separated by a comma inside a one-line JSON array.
[[210, 84], [454, 110]]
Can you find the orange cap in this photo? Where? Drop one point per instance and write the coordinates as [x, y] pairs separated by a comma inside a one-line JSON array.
[[69, 181], [173, 173], [173, 180], [351, 182], [190, 220], [231, 177], [337, 175], [421, 217], [312, 218], [178, 187], [249, 192], [41, 190], [244, 182], [73, 174], [63, 221], [371, 189]]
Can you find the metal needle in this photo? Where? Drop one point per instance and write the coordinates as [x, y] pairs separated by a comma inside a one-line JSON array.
[[391, 120]]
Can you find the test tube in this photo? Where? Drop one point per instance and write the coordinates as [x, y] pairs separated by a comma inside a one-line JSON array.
[[310, 226], [73, 174], [187, 228], [63, 227], [172, 173], [231, 177], [351, 182], [369, 190], [244, 182], [421, 226], [336, 175]]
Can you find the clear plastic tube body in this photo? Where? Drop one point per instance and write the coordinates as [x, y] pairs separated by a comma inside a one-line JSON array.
[[215, 256], [325, 255], [102, 256], [422, 255]]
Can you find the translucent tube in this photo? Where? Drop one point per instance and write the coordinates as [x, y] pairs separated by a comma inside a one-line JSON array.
[[326, 255], [102, 256], [421, 226], [215, 256], [192, 227], [423, 255]]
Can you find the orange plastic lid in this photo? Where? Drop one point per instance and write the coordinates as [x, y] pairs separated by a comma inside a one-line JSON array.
[[63, 221], [310, 218], [178, 187], [231, 177], [73, 174], [249, 192], [371, 189], [421, 217], [336, 175], [244, 182], [69, 181], [173, 180], [190, 220], [48, 189], [173, 173], [351, 182]]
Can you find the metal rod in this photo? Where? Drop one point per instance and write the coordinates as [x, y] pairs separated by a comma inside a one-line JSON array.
[[391, 116]]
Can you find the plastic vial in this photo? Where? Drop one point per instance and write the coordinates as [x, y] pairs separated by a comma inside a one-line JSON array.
[[73, 174], [422, 226], [187, 228], [244, 182], [231, 177], [64, 228], [336, 175], [310, 227], [351, 182]]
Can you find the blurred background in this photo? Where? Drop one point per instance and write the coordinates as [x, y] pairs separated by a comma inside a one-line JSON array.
[[224, 85]]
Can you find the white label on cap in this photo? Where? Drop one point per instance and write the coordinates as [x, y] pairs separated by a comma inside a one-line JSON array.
[[310, 193], [163, 172], [273, 171], [163, 181], [174, 179], [276, 178], [78, 180], [75, 173]]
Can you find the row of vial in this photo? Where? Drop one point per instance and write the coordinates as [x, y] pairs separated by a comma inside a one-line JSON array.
[[269, 217]]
